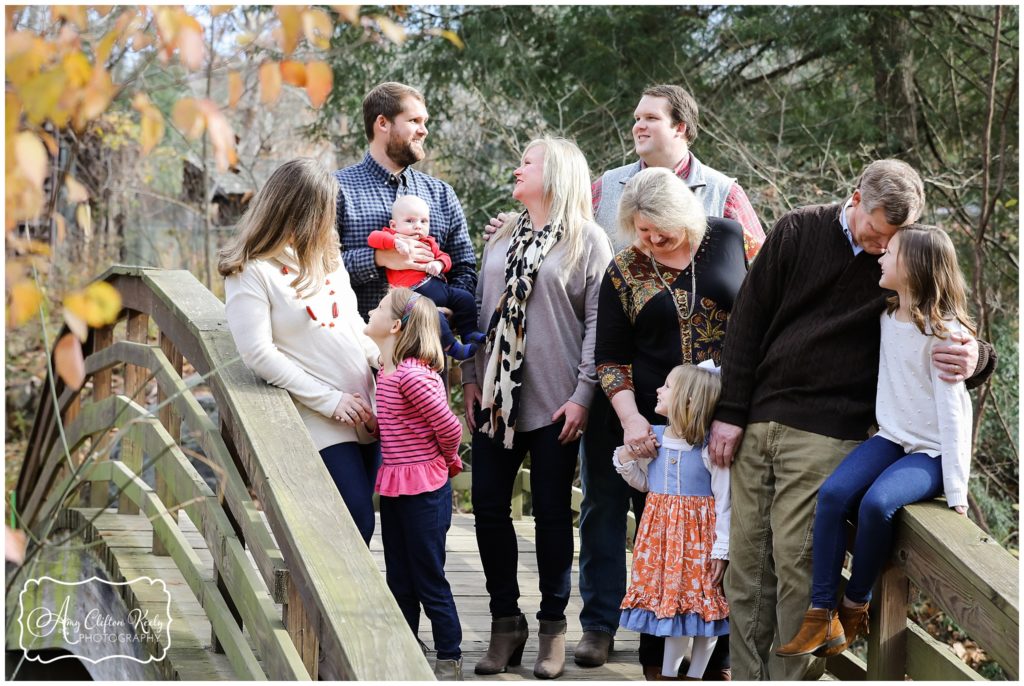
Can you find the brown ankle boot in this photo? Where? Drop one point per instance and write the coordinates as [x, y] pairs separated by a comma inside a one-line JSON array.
[[551, 651], [508, 638], [855, 624], [820, 631]]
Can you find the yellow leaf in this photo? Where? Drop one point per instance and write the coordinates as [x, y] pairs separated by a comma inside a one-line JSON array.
[[23, 200], [392, 31], [83, 215], [98, 304], [349, 13], [319, 81], [245, 39], [25, 56], [98, 95], [40, 95], [49, 142], [69, 362], [291, 27], [270, 82], [105, 45], [187, 118], [318, 27], [293, 73], [449, 36], [152, 129], [24, 302], [31, 157], [235, 88], [77, 68], [218, 10], [76, 191], [12, 114]]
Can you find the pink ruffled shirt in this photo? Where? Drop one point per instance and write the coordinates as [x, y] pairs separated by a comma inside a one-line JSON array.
[[419, 435]]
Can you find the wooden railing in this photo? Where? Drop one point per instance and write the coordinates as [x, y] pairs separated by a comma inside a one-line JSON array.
[[970, 576], [339, 621]]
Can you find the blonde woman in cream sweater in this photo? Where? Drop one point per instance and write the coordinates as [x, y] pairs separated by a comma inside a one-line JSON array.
[[293, 315]]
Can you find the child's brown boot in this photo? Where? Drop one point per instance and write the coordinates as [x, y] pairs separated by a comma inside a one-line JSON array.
[[854, 621], [819, 632]]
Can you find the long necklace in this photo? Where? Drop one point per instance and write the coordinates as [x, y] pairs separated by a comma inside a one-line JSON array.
[[693, 284]]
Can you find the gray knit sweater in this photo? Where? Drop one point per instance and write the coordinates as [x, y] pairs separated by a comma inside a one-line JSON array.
[[561, 325]]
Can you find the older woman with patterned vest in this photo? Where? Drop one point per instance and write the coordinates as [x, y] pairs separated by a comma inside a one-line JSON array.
[[529, 390]]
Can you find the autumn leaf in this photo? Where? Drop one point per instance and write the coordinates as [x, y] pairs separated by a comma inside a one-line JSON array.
[[69, 362], [105, 45], [98, 304], [349, 13], [74, 14], [218, 10], [98, 95], [83, 215], [221, 136], [318, 28], [152, 126], [392, 31], [293, 73], [191, 50], [40, 95], [77, 69], [60, 226], [270, 82], [288, 33], [76, 191], [188, 118], [31, 157], [448, 35], [319, 81], [14, 545], [235, 88], [23, 303]]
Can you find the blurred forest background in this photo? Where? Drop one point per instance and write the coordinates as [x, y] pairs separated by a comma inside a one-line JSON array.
[[794, 102]]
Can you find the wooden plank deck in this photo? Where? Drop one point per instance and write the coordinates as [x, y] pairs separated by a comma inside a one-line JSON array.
[[465, 574]]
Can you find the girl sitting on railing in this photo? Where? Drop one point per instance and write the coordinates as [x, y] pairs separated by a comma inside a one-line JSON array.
[[922, 448], [682, 544], [419, 442]]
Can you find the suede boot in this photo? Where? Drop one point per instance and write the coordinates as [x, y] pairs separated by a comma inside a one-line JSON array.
[[551, 651], [820, 631], [593, 648], [854, 621], [448, 670], [508, 638]]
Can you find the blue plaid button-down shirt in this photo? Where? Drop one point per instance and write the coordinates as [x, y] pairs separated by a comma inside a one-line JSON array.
[[366, 193]]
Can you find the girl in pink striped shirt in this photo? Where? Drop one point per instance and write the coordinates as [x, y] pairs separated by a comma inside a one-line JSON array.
[[419, 439]]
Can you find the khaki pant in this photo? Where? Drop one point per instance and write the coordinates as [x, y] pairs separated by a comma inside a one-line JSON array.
[[775, 482]]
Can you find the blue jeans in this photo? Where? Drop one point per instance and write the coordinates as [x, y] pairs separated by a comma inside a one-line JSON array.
[[353, 467], [606, 500], [462, 303], [552, 467], [413, 529], [875, 480]]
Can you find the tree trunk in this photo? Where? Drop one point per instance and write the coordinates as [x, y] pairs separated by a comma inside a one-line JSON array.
[[892, 58]]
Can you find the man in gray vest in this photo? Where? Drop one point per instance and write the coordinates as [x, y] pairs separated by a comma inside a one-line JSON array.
[[665, 124]]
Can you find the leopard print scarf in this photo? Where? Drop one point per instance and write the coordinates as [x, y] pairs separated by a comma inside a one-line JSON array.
[[506, 334]]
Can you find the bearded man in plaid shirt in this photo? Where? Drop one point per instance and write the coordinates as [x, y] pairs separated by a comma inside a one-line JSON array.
[[395, 119]]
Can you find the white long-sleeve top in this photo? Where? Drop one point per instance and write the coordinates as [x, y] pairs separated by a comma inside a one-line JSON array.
[[280, 341], [635, 474], [920, 411]]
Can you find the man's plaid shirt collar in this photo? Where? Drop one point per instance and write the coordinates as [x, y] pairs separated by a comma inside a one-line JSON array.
[[373, 168]]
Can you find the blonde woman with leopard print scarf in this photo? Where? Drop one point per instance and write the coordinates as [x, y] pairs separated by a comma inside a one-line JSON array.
[[529, 389]]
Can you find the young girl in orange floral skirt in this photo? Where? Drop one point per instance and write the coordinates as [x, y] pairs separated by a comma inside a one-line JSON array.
[[682, 546]]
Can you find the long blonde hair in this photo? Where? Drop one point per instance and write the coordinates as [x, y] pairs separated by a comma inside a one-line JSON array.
[[420, 335], [936, 285], [664, 200], [693, 394], [296, 206], [566, 182]]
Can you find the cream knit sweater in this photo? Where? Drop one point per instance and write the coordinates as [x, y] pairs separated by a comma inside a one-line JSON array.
[[281, 342]]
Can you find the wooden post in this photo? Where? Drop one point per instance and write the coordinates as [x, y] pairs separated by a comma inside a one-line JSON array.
[[171, 420], [303, 633], [97, 492], [135, 389], [887, 637]]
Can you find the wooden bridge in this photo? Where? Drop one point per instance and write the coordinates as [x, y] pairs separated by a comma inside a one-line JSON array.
[[267, 575]]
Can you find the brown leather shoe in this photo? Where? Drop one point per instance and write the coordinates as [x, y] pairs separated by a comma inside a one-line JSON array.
[[593, 648], [723, 674], [551, 651], [508, 638], [819, 632], [855, 623]]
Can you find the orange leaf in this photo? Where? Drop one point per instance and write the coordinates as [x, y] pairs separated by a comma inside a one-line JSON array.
[[221, 136], [14, 545], [105, 45], [60, 227], [83, 215], [152, 129], [349, 13], [270, 82], [235, 87], [69, 362], [76, 191], [49, 142], [191, 50], [392, 31], [31, 157], [187, 117], [293, 73], [291, 27], [218, 10], [98, 95], [74, 14], [24, 302], [319, 81], [318, 27]]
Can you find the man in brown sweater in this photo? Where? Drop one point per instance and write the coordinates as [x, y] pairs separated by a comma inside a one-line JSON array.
[[799, 370]]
